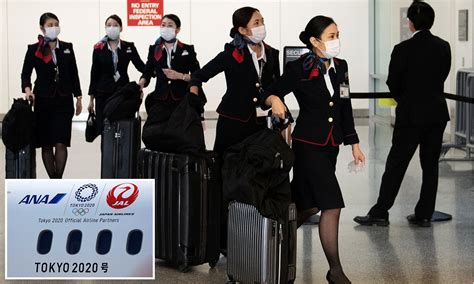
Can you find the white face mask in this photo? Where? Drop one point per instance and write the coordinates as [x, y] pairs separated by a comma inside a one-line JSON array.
[[258, 34], [168, 33], [52, 32], [113, 32], [333, 47]]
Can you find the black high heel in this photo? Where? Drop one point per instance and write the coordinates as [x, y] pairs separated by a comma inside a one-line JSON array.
[[328, 277]]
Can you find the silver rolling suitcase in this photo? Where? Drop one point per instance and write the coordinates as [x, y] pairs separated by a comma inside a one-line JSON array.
[[260, 250]]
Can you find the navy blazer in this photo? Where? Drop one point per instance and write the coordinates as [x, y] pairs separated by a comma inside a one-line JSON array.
[[45, 85], [184, 60], [322, 120], [102, 70], [243, 87], [418, 69]]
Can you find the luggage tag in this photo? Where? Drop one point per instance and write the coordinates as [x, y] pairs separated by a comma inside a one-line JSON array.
[[116, 76], [344, 91], [260, 112]]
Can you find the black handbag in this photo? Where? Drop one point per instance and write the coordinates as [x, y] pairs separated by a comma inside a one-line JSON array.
[[175, 130], [92, 131], [18, 126]]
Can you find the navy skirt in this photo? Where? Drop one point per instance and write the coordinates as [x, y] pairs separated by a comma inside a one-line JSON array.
[[314, 181], [53, 120]]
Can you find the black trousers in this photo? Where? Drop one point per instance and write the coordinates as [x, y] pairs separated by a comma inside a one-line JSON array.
[[404, 144]]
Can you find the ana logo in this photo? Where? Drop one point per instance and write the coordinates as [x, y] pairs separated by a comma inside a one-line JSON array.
[[122, 195], [87, 192], [42, 199]]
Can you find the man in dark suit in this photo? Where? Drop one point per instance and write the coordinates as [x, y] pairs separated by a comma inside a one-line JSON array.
[[418, 68]]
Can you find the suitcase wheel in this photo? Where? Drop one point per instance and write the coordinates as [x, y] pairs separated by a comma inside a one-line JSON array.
[[184, 268], [213, 263]]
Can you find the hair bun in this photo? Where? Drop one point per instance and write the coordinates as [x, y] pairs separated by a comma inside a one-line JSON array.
[[232, 33], [304, 37]]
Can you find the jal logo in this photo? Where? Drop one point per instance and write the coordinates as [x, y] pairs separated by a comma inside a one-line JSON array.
[[42, 199], [122, 195]]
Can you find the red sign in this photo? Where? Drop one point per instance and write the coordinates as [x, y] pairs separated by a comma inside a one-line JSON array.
[[144, 12], [116, 197]]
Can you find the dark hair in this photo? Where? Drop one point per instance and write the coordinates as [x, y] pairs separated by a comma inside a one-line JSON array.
[[241, 18], [174, 18], [47, 16], [315, 28], [116, 18], [422, 15]]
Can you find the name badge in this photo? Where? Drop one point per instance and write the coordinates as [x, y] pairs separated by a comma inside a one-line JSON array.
[[185, 53], [67, 51], [116, 76], [344, 91], [260, 112], [129, 50]]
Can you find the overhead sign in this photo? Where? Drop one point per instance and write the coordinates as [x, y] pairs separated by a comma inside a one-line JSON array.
[[144, 12], [75, 229]]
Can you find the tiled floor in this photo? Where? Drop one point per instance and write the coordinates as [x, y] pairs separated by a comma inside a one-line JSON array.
[[400, 253]]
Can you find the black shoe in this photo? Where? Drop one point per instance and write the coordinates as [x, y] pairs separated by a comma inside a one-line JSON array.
[[412, 219], [331, 280], [371, 221]]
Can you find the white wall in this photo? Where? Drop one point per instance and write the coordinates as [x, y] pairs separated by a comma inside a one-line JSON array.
[[4, 96], [464, 49], [205, 23]]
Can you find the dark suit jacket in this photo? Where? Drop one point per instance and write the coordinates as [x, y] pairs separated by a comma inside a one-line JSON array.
[[45, 86], [323, 120], [243, 87], [418, 68], [183, 61], [102, 71]]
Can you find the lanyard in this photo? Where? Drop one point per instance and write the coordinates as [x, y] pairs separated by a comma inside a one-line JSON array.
[[261, 63], [115, 59]]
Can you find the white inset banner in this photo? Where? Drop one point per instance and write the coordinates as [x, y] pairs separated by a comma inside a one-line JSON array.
[[74, 229]]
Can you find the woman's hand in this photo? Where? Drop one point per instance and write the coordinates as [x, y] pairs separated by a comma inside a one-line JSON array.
[[194, 90], [278, 107], [173, 75], [78, 106], [29, 96], [358, 155], [90, 108]]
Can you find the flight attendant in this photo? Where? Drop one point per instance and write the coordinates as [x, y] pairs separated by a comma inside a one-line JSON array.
[[172, 62], [320, 83], [57, 82], [249, 66], [109, 72]]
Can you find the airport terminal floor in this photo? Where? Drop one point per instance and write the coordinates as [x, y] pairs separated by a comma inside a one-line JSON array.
[[400, 253]]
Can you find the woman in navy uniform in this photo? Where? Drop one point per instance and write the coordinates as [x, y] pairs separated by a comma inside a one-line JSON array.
[[320, 83], [57, 82], [109, 72], [249, 66], [171, 62]]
